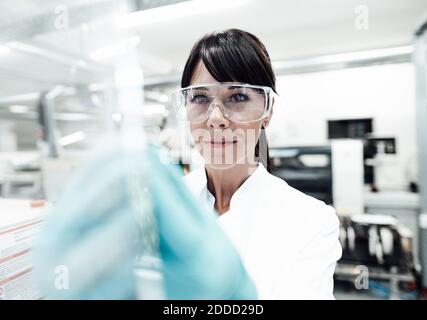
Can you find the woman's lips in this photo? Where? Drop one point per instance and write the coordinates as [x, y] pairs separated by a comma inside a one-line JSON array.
[[220, 143]]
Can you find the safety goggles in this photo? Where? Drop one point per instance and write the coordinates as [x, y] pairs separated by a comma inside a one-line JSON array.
[[238, 102]]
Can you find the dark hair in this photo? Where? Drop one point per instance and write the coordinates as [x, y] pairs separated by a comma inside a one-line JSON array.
[[234, 56]]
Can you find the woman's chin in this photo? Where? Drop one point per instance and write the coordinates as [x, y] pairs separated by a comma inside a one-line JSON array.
[[220, 163], [220, 166]]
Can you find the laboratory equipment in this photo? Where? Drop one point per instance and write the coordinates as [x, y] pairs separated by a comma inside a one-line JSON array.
[[293, 165], [332, 173], [377, 248]]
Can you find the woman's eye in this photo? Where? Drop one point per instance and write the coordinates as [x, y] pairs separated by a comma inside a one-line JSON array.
[[199, 99], [239, 97]]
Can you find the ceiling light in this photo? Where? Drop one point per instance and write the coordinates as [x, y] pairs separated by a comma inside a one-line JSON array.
[[4, 49], [174, 11], [115, 49], [72, 138], [19, 109]]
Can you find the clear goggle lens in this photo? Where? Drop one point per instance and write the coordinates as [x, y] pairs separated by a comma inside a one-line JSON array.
[[238, 102]]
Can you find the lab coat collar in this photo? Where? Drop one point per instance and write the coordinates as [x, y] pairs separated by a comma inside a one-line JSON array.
[[201, 188]]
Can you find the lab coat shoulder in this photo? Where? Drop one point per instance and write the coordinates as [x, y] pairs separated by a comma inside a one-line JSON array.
[[313, 229], [287, 202]]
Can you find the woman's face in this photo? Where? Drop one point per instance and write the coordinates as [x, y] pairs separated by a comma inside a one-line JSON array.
[[222, 142]]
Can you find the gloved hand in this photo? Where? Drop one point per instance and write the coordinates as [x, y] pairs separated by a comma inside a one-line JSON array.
[[90, 236]]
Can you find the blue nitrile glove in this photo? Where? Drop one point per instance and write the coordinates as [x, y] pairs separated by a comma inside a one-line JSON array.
[[90, 236]]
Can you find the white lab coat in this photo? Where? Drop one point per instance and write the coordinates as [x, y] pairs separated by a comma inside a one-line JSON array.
[[288, 241]]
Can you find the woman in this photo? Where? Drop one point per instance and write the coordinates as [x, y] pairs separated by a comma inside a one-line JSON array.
[[288, 241]]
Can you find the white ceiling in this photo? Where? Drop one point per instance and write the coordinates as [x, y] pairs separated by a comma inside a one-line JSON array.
[[290, 29]]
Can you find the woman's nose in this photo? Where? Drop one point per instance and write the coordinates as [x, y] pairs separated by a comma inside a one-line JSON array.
[[216, 118]]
